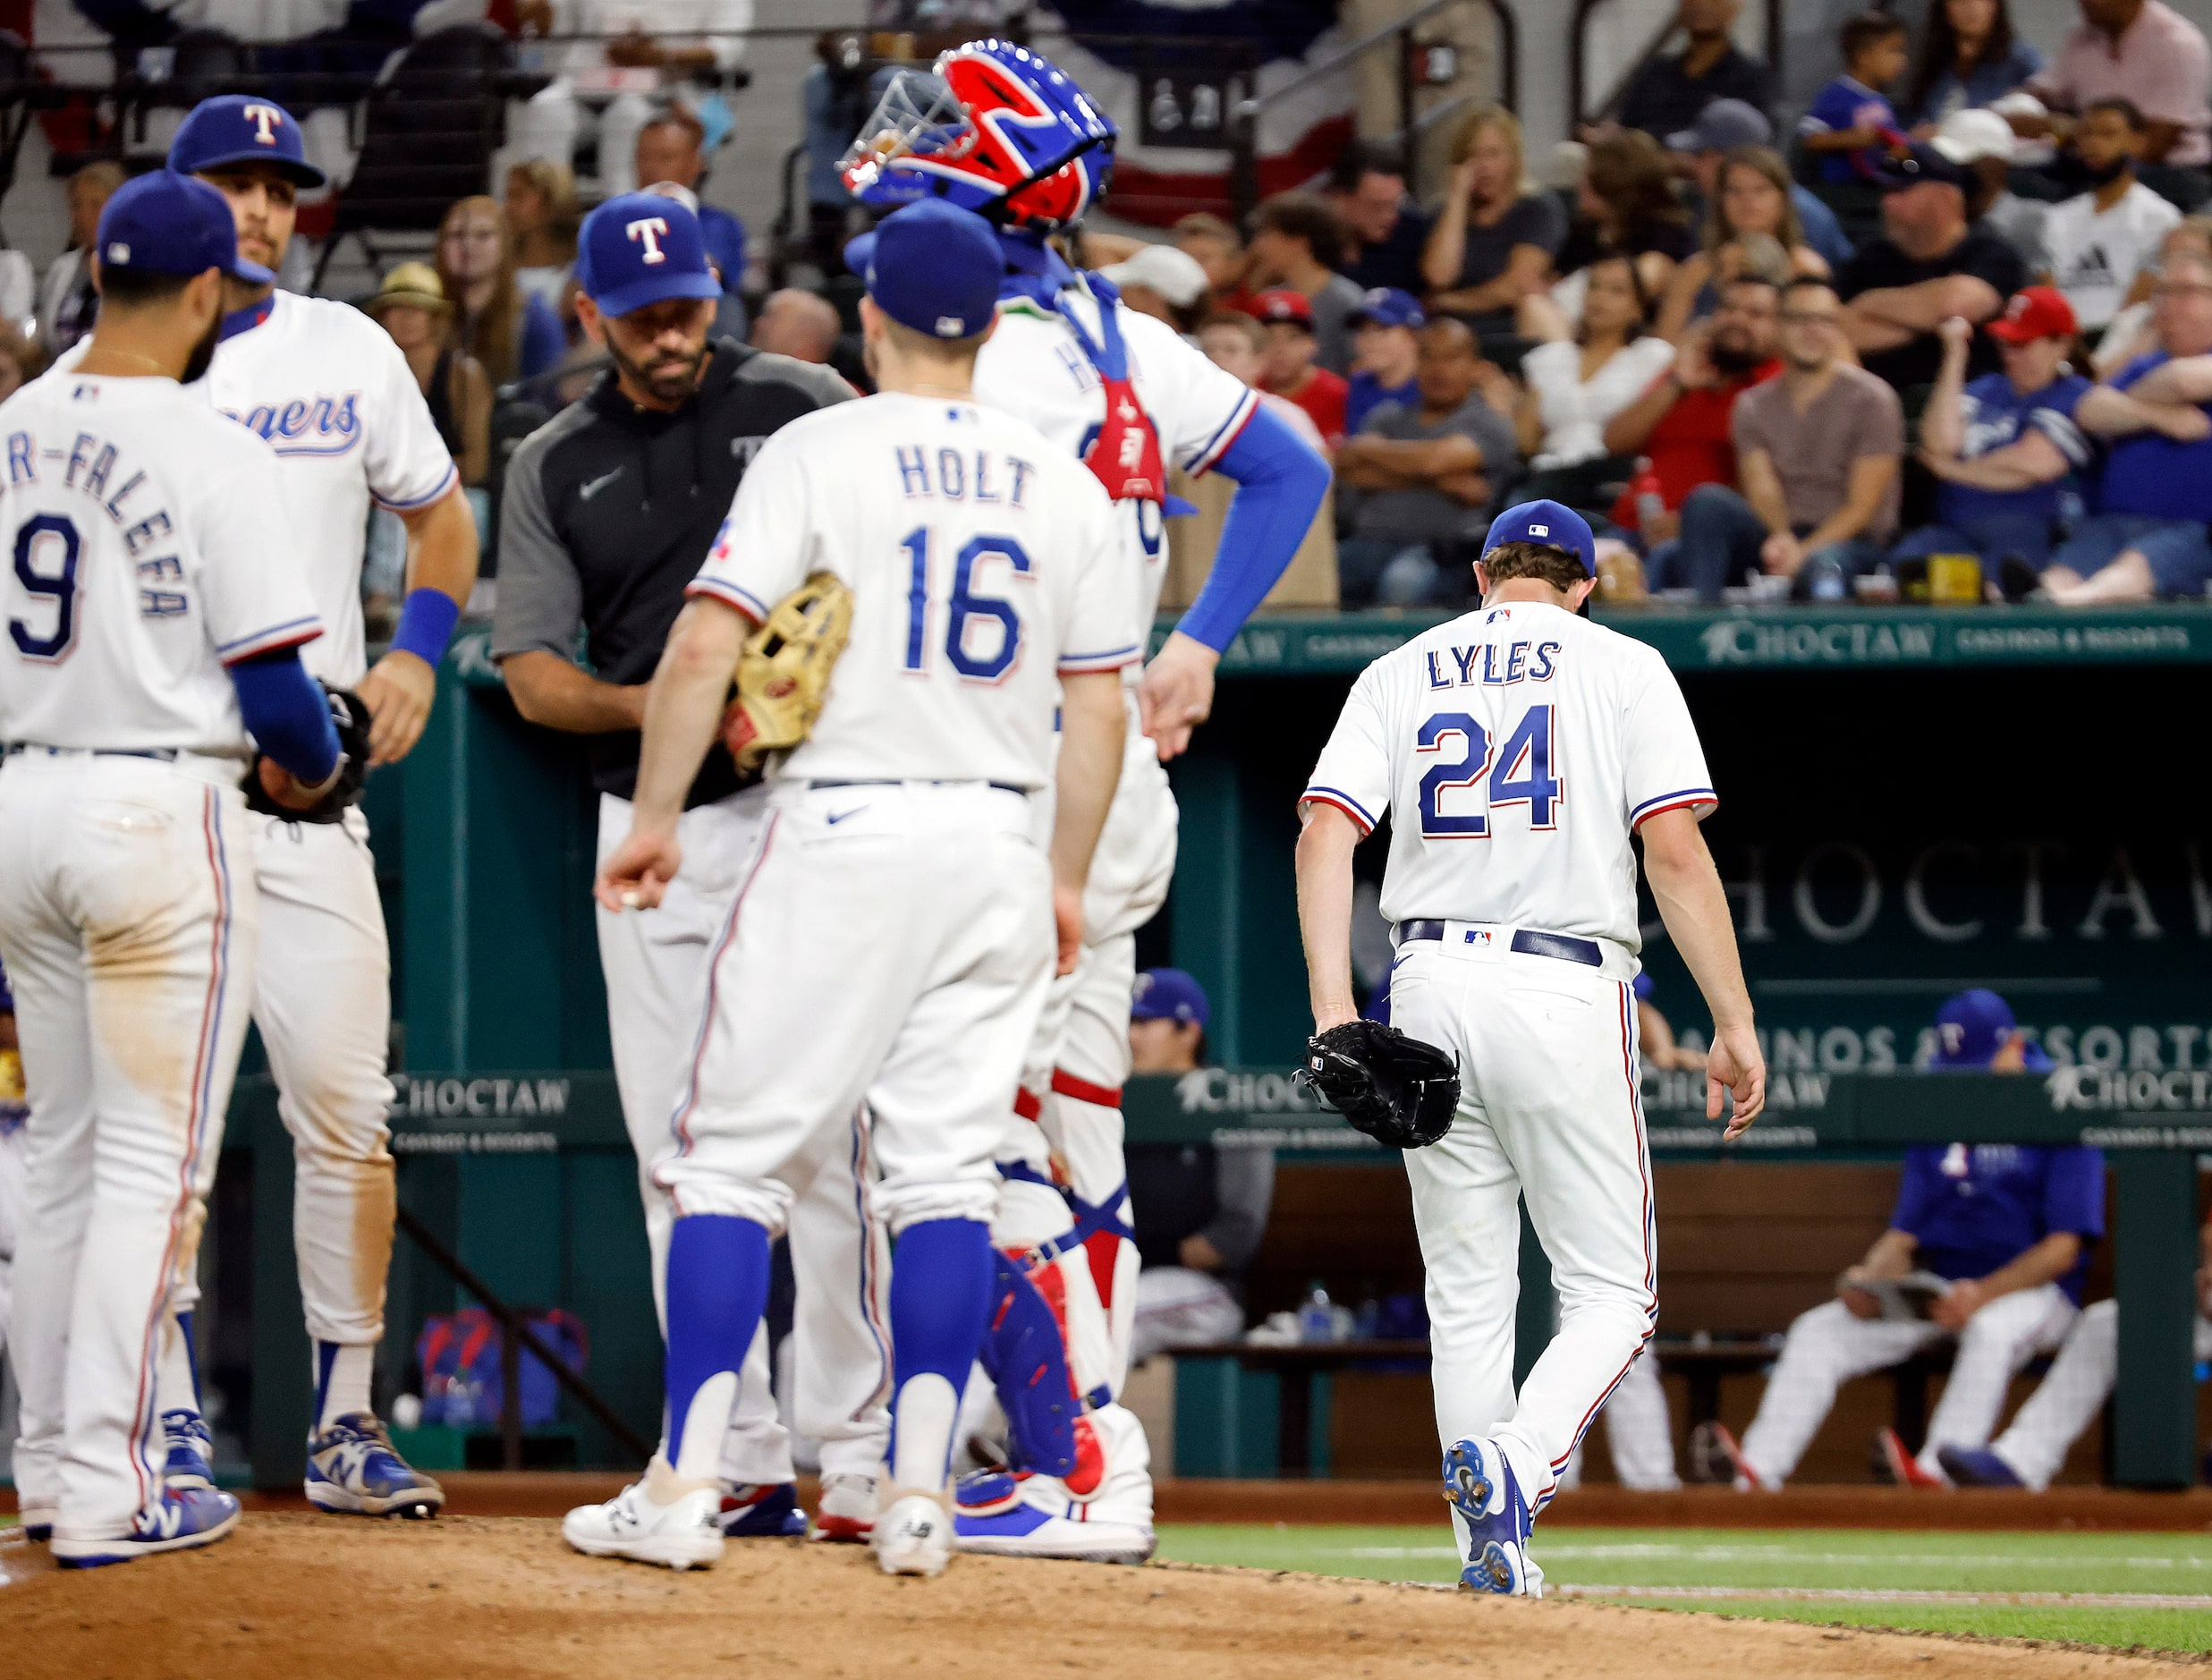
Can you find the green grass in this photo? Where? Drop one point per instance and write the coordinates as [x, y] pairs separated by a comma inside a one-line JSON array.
[[2166, 1565]]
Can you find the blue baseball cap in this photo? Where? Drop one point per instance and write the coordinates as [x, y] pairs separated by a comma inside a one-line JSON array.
[[642, 249], [1387, 306], [165, 223], [933, 266], [1971, 1029], [1168, 994], [243, 128], [1547, 523]]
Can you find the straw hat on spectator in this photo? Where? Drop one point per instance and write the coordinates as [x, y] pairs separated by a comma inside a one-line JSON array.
[[415, 284]]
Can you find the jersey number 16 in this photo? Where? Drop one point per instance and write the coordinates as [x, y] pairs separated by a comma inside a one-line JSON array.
[[1520, 771], [976, 650]]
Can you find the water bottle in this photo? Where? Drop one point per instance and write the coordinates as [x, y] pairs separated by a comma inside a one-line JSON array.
[[1650, 505], [1315, 1323]]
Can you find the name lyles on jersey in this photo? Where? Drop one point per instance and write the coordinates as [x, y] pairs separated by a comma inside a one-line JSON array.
[[49, 545], [1518, 767]]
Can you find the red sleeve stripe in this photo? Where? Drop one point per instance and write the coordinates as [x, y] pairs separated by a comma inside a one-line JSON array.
[[295, 633], [1113, 660], [1231, 429], [1672, 801], [1343, 802], [446, 487], [729, 595]]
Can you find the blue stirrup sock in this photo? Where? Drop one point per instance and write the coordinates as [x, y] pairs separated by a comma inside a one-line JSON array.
[[940, 1305], [717, 1289], [343, 1371]]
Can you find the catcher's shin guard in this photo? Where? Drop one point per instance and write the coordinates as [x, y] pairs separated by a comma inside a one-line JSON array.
[[1082, 1122], [1026, 1359]]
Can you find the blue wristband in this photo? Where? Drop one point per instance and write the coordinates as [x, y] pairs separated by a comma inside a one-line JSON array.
[[425, 624]]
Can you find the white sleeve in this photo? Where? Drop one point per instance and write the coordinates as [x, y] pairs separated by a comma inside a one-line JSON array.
[[1197, 408], [251, 584], [1102, 630], [408, 464], [761, 554], [1353, 773], [1664, 764]]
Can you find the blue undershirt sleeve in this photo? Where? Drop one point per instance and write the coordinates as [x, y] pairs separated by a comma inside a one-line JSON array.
[[1279, 479], [286, 713]]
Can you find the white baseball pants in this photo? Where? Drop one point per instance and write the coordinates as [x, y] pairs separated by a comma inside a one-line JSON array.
[[128, 920], [1638, 1433], [1829, 1345], [1548, 1111], [15, 1147], [656, 966], [2072, 1392], [890, 945]]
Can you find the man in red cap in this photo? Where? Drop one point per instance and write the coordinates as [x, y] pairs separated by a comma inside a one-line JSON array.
[[1288, 363], [2003, 446]]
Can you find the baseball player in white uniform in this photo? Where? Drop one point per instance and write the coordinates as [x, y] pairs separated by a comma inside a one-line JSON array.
[[332, 395], [1518, 748], [1125, 394], [154, 611], [895, 939]]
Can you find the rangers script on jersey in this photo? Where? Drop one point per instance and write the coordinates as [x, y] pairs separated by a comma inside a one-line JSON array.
[[979, 569], [149, 549], [1516, 748]]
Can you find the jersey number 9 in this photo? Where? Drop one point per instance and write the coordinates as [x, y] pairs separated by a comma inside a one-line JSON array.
[[1519, 772], [48, 537], [979, 652]]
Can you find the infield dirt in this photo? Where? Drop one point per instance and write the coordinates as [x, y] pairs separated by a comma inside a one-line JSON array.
[[292, 1595]]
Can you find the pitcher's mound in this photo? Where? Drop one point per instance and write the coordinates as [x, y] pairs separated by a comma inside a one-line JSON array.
[[347, 1599]]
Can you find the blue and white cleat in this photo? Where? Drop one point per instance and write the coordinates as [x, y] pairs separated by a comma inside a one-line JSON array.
[[1480, 1486], [190, 1451], [353, 1469], [762, 1510], [177, 1521]]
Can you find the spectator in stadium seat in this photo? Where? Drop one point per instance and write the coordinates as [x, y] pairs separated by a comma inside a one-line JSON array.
[[1749, 203], [1296, 243], [1214, 245], [1981, 143], [1576, 386], [1816, 454], [67, 301], [2066, 1402], [1286, 319], [510, 333], [1386, 353], [2132, 332], [2005, 1229], [2140, 50], [1850, 128], [1670, 92], [2100, 240], [1969, 57], [410, 307], [672, 148], [1425, 475], [837, 96], [1201, 1209], [680, 39], [1683, 422], [2003, 446], [1164, 282], [1728, 126], [1237, 344], [1930, 264], [1385, 230], [1625, 206], [801, 325], [2147, 538], [542, 218], [1493, 242]]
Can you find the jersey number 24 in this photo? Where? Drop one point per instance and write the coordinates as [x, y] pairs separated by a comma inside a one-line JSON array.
[[1518, 771]]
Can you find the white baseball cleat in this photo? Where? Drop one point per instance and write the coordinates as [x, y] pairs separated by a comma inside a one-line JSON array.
[[845, 1512], [1108, 1522], [658, 1519], [914, 1536]]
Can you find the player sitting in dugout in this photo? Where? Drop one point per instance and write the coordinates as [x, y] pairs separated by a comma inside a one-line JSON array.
[[1988, 1245], [1201, 1209]]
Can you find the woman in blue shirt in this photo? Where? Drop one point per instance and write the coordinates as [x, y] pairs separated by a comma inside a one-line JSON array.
[[2004, 446], [1969, 56]]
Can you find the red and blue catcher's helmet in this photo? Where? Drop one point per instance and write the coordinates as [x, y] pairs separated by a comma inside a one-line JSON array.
[[995, 129]]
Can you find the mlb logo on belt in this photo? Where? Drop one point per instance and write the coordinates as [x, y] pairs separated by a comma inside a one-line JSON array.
[[1478, 936]]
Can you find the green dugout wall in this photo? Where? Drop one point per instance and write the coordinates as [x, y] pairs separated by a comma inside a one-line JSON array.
[[1912, 800]]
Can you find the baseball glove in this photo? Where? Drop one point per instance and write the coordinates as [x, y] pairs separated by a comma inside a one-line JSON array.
[[350, 713], [1397, 1089], [784, 674]]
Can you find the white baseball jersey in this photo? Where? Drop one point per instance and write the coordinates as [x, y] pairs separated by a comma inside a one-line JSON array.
[[982, 562], [1518, 746], [149, 549], [330, 390], [1033, 367]]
